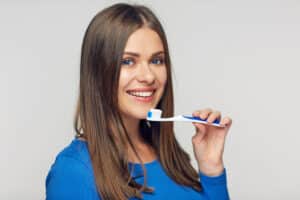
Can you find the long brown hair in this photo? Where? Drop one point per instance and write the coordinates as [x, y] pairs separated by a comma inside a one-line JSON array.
[[97, 117]]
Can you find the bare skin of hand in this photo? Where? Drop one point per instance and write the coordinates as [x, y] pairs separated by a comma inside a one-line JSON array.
[[208, 142]]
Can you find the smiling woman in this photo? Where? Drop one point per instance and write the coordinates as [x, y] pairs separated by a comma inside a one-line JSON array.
[[143, 75], [125, 71]]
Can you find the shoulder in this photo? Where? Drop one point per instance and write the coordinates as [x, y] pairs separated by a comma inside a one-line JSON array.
[[71, 175]]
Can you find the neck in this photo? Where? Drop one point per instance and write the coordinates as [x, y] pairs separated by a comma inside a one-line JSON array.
[[132, 127], [144, 150]]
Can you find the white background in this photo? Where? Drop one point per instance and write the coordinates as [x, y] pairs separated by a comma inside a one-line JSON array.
[[239, 57]]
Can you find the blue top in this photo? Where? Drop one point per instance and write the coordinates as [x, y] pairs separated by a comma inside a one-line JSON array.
[[71, 177]]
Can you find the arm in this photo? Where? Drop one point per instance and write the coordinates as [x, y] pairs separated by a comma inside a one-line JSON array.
[[214, 187], [70, 179], [208, 146]]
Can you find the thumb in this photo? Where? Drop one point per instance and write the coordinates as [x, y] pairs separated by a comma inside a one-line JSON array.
[[200, 131]]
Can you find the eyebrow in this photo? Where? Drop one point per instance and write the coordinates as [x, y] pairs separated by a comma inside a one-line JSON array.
[[138, 55]]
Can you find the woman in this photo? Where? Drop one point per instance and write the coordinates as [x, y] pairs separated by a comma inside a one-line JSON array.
[[126, 71]]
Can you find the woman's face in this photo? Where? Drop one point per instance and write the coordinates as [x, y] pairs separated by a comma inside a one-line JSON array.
[[143, 74]]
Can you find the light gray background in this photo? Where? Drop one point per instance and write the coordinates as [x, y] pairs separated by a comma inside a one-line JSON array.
[[239, 57]]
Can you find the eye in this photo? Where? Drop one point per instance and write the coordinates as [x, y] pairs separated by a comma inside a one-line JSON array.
[[157, 61], [127, 61]]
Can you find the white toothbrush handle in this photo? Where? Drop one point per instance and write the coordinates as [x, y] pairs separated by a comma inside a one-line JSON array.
[[185, 118]]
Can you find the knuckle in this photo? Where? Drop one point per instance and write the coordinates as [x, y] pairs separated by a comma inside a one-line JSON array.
[[194, 139]]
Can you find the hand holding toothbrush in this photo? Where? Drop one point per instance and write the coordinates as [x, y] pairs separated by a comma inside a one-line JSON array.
[[208, 142], [209, 139]]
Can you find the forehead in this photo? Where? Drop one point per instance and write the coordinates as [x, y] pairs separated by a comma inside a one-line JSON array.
[[144, 41]]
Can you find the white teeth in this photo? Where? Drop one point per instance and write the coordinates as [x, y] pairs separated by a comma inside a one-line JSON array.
[[141, 94]]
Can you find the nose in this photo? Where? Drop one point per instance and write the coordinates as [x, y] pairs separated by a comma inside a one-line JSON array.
[[145, 73]]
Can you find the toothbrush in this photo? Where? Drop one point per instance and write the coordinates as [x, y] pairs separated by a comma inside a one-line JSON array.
[[155, 115]]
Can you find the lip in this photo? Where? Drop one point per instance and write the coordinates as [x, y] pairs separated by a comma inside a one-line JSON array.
[[141, 90], [142, 99]]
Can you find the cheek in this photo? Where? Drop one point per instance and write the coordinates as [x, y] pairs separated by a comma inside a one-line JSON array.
[[124, 80], [162, 76]]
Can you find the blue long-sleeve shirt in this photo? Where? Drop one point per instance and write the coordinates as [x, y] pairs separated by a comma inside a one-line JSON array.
[[71, 177]]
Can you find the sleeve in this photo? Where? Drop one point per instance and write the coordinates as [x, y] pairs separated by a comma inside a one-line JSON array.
[[215, 188], [69, 178]]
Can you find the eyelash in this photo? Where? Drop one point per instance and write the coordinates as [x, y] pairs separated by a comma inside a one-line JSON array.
[[127, 60]]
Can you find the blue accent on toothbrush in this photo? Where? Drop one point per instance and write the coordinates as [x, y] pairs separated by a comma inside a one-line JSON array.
[[217, 121], [149, 114]]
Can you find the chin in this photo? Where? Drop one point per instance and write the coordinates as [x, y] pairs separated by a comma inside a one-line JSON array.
[[141, 114], [138, 112]]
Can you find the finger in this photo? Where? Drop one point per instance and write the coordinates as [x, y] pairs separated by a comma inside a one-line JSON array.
[[200, 132], [213, 116], [199, 127], [226, 121], [203, 114]]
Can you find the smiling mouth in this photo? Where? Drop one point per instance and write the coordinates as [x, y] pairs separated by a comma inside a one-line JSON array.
[[142, 94]]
